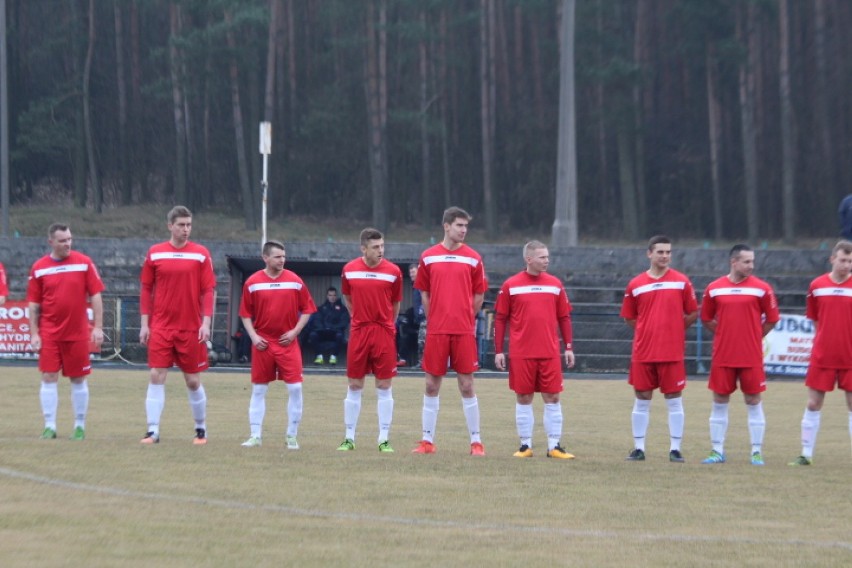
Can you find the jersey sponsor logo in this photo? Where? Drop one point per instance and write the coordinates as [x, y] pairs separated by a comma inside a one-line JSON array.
[[534, 289], [275, 286], [363, 275], [450, 258], [746, 291], [833, 291], [61, 269], [196, 256], [657, 287]]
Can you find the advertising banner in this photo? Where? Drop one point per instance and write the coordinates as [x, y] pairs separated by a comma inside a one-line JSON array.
[[787, 348], [15, 331]]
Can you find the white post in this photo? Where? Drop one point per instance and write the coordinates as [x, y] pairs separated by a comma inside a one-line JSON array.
[[266, 150]]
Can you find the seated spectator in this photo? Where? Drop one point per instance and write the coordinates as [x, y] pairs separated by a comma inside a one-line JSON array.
[[328, 327]]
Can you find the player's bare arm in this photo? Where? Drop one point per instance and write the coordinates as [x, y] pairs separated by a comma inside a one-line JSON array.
[[293, 335], [631, 323], [98, 310], [35, 338], [710, 325], [204, 330], [689, 319], [259, 343], [500, 361], [424, 298], [477, 303], [347, 303]]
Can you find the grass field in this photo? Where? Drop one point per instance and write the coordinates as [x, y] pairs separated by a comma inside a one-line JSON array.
[[107, 501]]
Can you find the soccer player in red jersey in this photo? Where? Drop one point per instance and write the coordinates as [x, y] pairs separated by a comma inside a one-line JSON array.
[[4, 285], [740, 309], [176, 305], [60, 284], [829, 305], [533, 304], [275, 307], [451, 278], [659, 305], [372, 291]]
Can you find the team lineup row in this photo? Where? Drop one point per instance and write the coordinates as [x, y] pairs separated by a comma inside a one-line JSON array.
[[176, 306]]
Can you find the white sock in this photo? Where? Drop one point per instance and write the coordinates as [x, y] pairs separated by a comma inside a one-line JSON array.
[[431, 404], [471, 416], [154, 404], [810, 429], [525, 421], [49, 395], [294, 408], [80, 402], [553, 424], [351, 412], [257, 409], [756, 425], [198, 405], [384, 407], [676, 421], [640, 418], [718, 426]]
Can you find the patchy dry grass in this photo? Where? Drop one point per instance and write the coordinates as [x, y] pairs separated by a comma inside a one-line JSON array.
[[108, 501]]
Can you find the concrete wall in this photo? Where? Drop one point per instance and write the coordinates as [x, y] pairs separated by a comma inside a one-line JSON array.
[[119, 261]]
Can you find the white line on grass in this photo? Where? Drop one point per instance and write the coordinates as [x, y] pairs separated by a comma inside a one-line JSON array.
[[361, 517]]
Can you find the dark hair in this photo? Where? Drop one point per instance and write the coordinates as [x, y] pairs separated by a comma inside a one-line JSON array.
[[453, 213], [331, 289], [658, 240], [178, 211], [370, 234], [737, 249], [56, 227], [843, 245], [269, 245]]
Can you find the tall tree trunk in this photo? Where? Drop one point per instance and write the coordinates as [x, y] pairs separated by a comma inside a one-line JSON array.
[[443, 88], [714, 119], [271, 50], [97, 191], [291, 65], [486, 86], [375, 86], [641, 59], [177, 105], [826, 165], [137, 140], [607, 198], [629, 209], [565, 231], [425, 150], [239, 131], [126, 187], [745, 31], [80, 187], [788, 149]]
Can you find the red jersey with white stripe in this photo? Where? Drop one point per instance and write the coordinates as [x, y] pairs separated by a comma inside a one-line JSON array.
[[534, 306], [4, 284], [739, 310], [658, 306], [180, 278], [62, 288], [372, 291], [451, 279], [830, 305], [275, 304]]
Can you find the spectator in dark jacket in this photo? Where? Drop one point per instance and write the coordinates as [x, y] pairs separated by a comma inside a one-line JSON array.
[[328, 329]]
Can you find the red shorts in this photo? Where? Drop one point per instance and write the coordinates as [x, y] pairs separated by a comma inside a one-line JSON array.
[[276, 363], [371, 349], [459, 350], [167, 347], [824, 379], [668, 376], [527, 376], [723, 380], [70, 356]]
